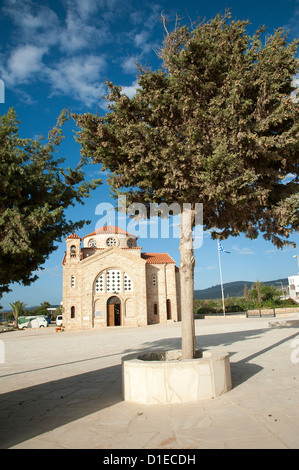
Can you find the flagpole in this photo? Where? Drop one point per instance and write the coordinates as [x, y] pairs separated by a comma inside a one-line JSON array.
[[223, 306]]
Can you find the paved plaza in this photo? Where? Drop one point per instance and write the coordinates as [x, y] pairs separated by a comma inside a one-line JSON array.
[[64, 390]]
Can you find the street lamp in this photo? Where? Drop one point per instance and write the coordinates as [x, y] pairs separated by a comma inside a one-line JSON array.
[[297, 256]]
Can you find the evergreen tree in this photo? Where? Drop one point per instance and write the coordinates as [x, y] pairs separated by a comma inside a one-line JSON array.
[[35, 191], [42, 309], [216, 125]]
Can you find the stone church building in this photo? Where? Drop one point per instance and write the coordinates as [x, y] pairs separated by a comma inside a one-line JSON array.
[[109, 281]]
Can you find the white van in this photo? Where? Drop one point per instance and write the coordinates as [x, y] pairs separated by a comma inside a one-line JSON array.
[[32, 322], [59, 320]]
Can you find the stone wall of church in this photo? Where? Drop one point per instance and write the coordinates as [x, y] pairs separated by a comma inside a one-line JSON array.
[[72, 293], [161, 288], [153, 299], [91, 307]]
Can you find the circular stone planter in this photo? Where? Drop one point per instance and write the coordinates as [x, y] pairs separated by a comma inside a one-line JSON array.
[[162, 377]]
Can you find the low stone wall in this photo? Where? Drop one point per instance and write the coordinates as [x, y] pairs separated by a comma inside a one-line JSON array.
[[220, 315], [287, 310], [162, 378], [274, 312]]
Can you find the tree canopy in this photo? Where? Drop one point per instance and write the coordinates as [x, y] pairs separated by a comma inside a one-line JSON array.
[[216, 125], [35, 191]]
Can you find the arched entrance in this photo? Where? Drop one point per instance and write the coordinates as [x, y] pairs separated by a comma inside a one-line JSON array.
[[113, 311]]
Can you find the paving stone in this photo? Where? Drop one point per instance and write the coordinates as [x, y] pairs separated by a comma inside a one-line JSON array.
[[65, 391]]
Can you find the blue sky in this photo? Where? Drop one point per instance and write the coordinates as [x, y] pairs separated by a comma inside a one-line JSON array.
[[58, 54]]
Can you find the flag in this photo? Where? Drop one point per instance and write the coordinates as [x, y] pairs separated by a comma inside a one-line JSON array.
[[220, 248]]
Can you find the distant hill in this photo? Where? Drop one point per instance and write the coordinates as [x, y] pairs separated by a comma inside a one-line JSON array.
[[27, 308], [234, 289]]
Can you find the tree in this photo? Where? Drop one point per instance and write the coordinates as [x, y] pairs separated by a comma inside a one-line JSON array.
[[246, 296], [35, 191], [18, 309], [216, 125], [258, 291], [269, 294], [261, 293], [42, 309], [58, 311]]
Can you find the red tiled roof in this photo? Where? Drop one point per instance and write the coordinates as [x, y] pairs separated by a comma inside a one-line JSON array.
[[73, 235], [151, 258], [110, 229], [157, 258]]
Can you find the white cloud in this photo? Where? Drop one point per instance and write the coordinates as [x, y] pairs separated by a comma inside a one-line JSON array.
[[141, 38], [130, 90], [80, 77], [32, 20], [243, 251], [55, 271], [295, 93], [78, 34], [205, 268], [128, 64], [49, 48], [278, 252], [24, 64], [293, 24], [86, 9]]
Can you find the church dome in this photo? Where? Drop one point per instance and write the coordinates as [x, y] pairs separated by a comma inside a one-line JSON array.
[[110, 236]]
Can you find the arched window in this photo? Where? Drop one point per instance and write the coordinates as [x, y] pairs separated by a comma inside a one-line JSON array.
[[111, 241], [130, 243], [113, 280], [92, 243], [73, 250], [73, 281], [128, 285], [73, 310], [99, 285]]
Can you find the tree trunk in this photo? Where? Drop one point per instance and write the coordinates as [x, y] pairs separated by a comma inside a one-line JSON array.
[[258, 290], [187, 264]]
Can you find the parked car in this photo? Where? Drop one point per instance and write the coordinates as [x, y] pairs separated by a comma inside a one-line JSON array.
[[48, 320], [32, 322], [59, 320]]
